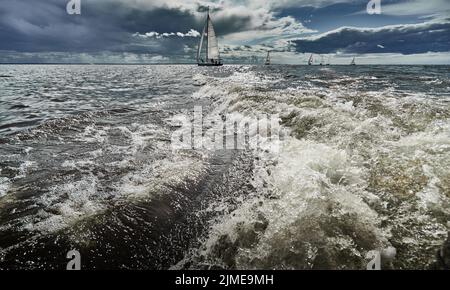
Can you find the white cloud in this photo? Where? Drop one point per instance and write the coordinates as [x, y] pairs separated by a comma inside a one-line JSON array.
[[154, 34], [417, 7], [259, 22], [191, 33], [270, 31], [397, 27]]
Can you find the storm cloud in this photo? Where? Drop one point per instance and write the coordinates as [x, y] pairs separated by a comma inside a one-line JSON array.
[[405, 39]]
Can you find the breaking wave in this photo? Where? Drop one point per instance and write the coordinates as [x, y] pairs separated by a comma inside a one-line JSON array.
[[360, 170], [361, 163]]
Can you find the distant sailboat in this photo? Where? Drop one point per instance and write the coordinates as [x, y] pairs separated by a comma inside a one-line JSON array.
[[321, 60], [328, 63], [267, 58], [212, 46], [310, 61], [353, 61]]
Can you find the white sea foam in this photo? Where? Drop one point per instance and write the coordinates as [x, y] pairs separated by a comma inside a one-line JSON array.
[[24, 167], [333, 180], [157, 177], [4, 185], [314, 191], [67, 203], [93, 134], [78, 163]]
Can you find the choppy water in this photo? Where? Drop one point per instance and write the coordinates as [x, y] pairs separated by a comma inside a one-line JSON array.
[[86, 163]]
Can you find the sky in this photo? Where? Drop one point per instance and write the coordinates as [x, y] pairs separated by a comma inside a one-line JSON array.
[[168, 31]]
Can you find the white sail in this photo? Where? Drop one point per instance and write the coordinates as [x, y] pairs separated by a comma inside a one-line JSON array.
[[208, 56], [213, 46], [353, 61], [268, 58], [310, 61], [200, 45]]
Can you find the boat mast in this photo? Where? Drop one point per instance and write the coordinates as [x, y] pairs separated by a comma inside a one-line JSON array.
[[207, 37]]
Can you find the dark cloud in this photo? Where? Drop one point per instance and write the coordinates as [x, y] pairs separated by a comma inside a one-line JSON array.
[[405, 39], [40, 26]]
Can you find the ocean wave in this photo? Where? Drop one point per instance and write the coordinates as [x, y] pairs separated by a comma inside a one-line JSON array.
[[360, 163], [4, 185], [342, 184]]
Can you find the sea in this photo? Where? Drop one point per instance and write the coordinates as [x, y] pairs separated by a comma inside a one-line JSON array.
[[358, 166]]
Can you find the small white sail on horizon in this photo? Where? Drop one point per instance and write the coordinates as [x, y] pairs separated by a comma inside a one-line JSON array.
[[311, 59], [267, 58], [212, 57], [353, 61]]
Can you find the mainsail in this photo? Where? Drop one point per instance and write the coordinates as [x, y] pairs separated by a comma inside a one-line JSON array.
[[353, 62], [212, 46]]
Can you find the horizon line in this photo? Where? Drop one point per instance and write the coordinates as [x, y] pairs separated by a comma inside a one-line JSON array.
[[190, 63]]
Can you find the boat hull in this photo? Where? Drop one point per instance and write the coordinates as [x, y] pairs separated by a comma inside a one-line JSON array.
[[210, 64]]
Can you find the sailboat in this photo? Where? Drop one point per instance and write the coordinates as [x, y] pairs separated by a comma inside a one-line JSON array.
[[328, 63], [212, 57], [321, 60], [267, 58], [310, 61], [353, 61]]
